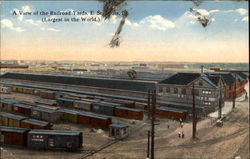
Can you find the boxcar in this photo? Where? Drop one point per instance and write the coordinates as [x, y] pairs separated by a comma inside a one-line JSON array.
[[104, 108], [54, 139], [28, 90], [13, 136], [22, 109], [130, 113], [47, 102], [47, 94], [123, 102], [64, 102], [68, 115], [139, 105], [7, 104], [94, 120], [12, 120], [49, 114], [17, 89], [83, 104], [35, 124], [171, 112]]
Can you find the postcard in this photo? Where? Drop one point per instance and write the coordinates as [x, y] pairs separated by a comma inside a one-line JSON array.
[[124, 79]]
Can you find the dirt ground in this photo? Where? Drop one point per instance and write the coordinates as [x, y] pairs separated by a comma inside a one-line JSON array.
[[226, 142]]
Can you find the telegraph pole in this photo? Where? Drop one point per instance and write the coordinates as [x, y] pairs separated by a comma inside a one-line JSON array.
[[153, 123], [149, 106], [220, 101], [234, 90], [194, 114], [148, 152]]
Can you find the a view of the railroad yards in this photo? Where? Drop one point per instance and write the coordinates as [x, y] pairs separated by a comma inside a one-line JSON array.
[[106, 110], [117, 79]]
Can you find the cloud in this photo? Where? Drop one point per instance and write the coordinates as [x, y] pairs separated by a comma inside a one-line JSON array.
[[26, 9], [214, 11], [23, 9], [157, 22], [31, 21], [6, 23], [245, 19], [53, 30], [241, 11]]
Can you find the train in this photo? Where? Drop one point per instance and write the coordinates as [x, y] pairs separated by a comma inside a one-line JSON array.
[[101, 105], [42, 139]]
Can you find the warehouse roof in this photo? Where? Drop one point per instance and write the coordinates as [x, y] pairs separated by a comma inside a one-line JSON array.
[[91, 82], [54, 132], [181, 78], [119, 125], [172, 109]]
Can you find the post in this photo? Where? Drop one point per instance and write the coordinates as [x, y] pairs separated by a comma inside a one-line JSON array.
[[153, 123], [148, 152], [234, 90], [194, 114], [220, 101], [149, 106]]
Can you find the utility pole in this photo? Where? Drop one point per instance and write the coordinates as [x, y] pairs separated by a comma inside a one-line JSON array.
[[149, 106], [148, 152], [234, 90], [153, 123], [220, 100], [194, 114]]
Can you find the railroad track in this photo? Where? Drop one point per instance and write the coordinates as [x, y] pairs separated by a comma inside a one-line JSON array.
[[92, 152]]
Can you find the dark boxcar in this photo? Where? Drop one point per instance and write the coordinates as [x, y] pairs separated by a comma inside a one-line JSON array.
[[22, 109], [28, 90], [7, 104], [55, 139], [126, 103], [47, 94], [104, 108], [83, 104], [45, 113], [68, 115], [171, 112], [47, 102], [130, 113], [64, 102], [12, 120], [35, 124], [13, 136]]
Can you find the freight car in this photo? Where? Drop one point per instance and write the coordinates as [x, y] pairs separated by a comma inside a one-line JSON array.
[[130, 113], [94, 120], [171, 113], [104, 108], [46, 102], [42, 139]]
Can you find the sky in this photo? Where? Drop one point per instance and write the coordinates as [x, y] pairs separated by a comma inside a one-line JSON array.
[[154, 31]]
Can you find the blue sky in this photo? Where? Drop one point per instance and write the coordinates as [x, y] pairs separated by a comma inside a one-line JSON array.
[[158, 24]]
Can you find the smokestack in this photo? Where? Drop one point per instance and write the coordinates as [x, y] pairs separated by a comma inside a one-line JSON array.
[[202, 70]]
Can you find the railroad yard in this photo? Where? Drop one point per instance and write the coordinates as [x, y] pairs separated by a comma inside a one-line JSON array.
[[229, 140]]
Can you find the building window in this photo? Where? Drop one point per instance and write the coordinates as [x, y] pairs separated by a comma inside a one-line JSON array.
[[160, 89], [200, 83], [175, 90], [183, 91], [207, 103], [168, 90], [206, 92]]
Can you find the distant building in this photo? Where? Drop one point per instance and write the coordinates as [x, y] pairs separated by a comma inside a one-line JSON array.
[[234, 84], [178, 88]]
